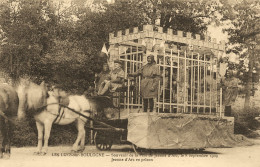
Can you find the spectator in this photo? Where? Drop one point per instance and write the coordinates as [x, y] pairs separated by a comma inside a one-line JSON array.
[[230, 91]]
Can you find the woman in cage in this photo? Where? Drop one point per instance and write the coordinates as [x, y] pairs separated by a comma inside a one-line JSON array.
[[150, 81], [102, 76], [230, 91], [115, 80]]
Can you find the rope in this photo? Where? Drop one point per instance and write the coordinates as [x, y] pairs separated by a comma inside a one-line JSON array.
[[6, 118], [96, 121]]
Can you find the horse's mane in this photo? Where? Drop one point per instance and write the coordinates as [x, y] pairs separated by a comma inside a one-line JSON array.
[[31, 96]]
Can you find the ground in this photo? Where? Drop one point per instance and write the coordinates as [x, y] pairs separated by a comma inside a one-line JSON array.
[[123, 155]]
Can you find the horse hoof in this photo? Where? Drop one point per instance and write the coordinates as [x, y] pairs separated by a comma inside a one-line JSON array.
[[73, 151], [39, 153], [36, 153], [81, 149], [78, 151], [43, 153], [6, 156]]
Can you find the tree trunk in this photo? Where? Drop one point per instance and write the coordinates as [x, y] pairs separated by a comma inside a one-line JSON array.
[[249, 81]]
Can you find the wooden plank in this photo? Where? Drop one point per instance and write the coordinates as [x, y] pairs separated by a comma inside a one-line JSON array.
[[189, 35], [160, 29], [135, 30], [147, 27], [170, 31], [119, 33], [151, 34], [126, 31], [197, 36]]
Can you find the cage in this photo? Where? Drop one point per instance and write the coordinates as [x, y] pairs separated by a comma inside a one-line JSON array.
[[188, 65]]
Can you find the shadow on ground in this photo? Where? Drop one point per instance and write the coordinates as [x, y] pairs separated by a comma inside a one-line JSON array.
[[163, 151]]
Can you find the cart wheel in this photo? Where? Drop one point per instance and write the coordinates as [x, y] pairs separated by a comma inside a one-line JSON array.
[[138, 150], [102, 141]]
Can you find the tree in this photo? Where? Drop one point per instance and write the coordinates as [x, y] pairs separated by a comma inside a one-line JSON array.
[[59, 44], [189, 16], [28, 26], [245, 19]]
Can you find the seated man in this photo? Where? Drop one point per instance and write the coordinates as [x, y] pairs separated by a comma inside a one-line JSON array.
[[102, 76], [115, 81]]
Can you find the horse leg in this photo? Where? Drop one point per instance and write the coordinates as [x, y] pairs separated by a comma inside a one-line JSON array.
[[7, 139], [47, 132], [1, 136], [82, 129], [81, 133], [40, 137]]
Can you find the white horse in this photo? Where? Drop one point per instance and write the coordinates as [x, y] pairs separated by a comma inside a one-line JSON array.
[[50, 107]]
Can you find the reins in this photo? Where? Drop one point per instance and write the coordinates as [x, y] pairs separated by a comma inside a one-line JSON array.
[[6, 118]]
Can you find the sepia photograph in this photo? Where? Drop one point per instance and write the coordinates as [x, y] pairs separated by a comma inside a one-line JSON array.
[[129, 83]]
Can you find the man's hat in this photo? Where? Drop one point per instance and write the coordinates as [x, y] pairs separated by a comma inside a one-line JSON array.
[[150, 55], [119, 62]]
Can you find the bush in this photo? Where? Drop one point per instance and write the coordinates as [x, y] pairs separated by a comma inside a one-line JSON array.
[[245, 122], [24, 135]]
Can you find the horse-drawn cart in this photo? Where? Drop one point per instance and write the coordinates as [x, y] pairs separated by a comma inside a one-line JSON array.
[[188, 110], [187, 113], [166, 131]]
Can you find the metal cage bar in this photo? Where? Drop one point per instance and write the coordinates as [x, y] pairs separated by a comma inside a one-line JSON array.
[[193, 72]]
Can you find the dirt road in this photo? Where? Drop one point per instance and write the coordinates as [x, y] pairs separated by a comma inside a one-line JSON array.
[[123, 155]]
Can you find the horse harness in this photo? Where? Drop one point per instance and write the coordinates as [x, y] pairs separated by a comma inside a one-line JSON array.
[[80, 114], [60, 114], [61, 111]]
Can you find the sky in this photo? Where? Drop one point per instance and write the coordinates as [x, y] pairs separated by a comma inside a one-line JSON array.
[[216, 32]]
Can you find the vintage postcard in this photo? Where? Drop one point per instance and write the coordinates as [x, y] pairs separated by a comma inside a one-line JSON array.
[[129, 83]]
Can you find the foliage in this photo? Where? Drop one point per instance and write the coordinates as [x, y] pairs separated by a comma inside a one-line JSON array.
[[28, 34], [24, 134], [59, 44], [245, 122], [244, 38]]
